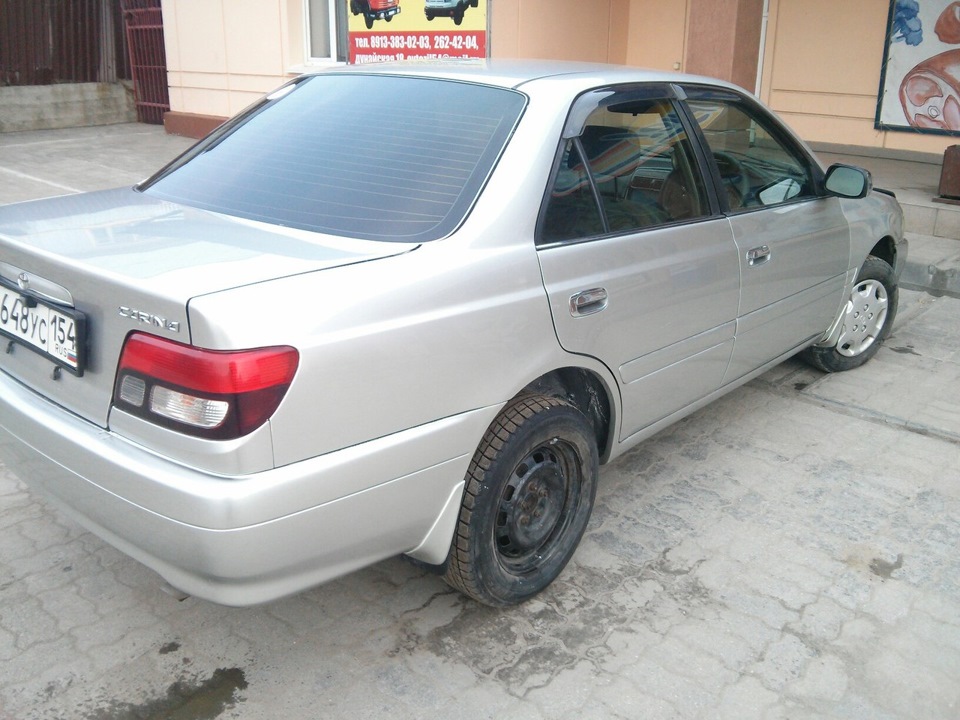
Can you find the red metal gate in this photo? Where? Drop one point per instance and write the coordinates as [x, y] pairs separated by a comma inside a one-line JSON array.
[[148, 59]]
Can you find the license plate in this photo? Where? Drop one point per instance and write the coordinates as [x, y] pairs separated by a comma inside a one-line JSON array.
[[57, 333]]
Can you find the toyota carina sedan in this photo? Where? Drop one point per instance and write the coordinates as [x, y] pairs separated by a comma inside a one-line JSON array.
[[305, 346]]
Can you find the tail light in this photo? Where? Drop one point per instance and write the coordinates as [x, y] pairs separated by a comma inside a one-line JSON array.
[[208, 393]]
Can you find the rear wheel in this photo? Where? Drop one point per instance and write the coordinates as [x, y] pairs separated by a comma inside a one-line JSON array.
[[458, 15], [528, 496], [866, 320], [368, 21]]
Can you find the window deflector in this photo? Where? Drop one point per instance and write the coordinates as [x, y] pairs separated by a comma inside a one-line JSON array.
[[634, 209], [590, 101]]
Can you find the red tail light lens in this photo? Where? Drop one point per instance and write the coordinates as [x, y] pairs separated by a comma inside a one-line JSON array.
[[208, 393]]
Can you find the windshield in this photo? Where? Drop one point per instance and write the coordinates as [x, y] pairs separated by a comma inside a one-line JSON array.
[[364, 156]]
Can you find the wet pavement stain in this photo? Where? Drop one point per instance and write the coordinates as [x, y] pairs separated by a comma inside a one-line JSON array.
[[184, 700], [169, 648], [885, 569]]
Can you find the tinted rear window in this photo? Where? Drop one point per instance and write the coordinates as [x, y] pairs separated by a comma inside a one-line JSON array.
[[364, 156]]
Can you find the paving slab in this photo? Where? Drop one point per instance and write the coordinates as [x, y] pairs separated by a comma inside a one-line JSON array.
[[41, 163], [924, 356], [933, 265]]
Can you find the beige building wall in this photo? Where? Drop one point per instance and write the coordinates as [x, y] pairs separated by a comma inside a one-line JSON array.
[[820, 66], [723, 37], [821, 73], [657, 34], [644, 33], [223, 55], [594, 31]]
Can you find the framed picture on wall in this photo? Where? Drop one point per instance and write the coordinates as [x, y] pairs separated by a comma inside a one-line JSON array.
[[920, 78]]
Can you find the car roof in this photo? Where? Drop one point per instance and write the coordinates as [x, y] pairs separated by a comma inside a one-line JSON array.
[[514, 73]]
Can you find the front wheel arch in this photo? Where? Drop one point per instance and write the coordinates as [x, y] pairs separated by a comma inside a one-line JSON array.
[[886, 250], [865, 321]]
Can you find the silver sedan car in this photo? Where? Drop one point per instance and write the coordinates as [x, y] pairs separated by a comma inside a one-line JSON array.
[[411, 309]]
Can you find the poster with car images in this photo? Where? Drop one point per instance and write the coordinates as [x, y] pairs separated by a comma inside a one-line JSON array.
[[386, 30], [920, 82]]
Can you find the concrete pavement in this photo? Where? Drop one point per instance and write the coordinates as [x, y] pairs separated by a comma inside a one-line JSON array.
[[790, 551]]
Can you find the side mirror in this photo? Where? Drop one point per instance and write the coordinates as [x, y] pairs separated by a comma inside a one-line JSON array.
[[848, 181]]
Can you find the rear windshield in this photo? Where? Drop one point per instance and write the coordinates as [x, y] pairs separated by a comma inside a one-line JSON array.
[[363, 156]]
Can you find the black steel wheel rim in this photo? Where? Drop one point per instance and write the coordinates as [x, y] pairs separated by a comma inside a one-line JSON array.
[[537, 506]]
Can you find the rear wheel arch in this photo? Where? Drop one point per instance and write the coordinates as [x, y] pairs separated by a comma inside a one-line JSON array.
[[584, 390], [588, 393], [527, 499]]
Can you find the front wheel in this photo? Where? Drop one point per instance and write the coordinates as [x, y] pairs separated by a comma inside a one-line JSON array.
[[368, 21], [866, 320], [528, 496]]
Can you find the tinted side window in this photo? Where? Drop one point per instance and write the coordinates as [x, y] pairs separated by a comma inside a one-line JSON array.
[[756, 168], [572, 211], [632, 167]]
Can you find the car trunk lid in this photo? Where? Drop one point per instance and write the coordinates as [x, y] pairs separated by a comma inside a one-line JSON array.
[[121, 261]]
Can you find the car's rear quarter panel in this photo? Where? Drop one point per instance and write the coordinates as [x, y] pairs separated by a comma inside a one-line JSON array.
[[457, 324]]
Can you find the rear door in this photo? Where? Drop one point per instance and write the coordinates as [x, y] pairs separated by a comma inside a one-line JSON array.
[[793, 241], [640, 267]]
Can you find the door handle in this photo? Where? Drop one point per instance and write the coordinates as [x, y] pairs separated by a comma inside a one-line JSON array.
[[588, 302], [758, 255]]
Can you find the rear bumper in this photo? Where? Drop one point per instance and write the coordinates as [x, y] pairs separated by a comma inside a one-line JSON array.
[[247, 539]]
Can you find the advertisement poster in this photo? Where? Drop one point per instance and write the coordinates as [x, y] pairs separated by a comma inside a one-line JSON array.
[[385, 30], [920, 83]]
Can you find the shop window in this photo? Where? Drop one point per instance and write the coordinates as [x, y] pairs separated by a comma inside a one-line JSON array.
[[326, 31]]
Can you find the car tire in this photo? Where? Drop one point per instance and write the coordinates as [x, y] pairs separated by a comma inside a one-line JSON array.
[[529, 493], [458, 16], [368, 21], [866, 320], [474, 3]]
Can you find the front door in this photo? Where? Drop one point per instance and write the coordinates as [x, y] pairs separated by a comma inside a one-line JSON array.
[[793, 241]]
